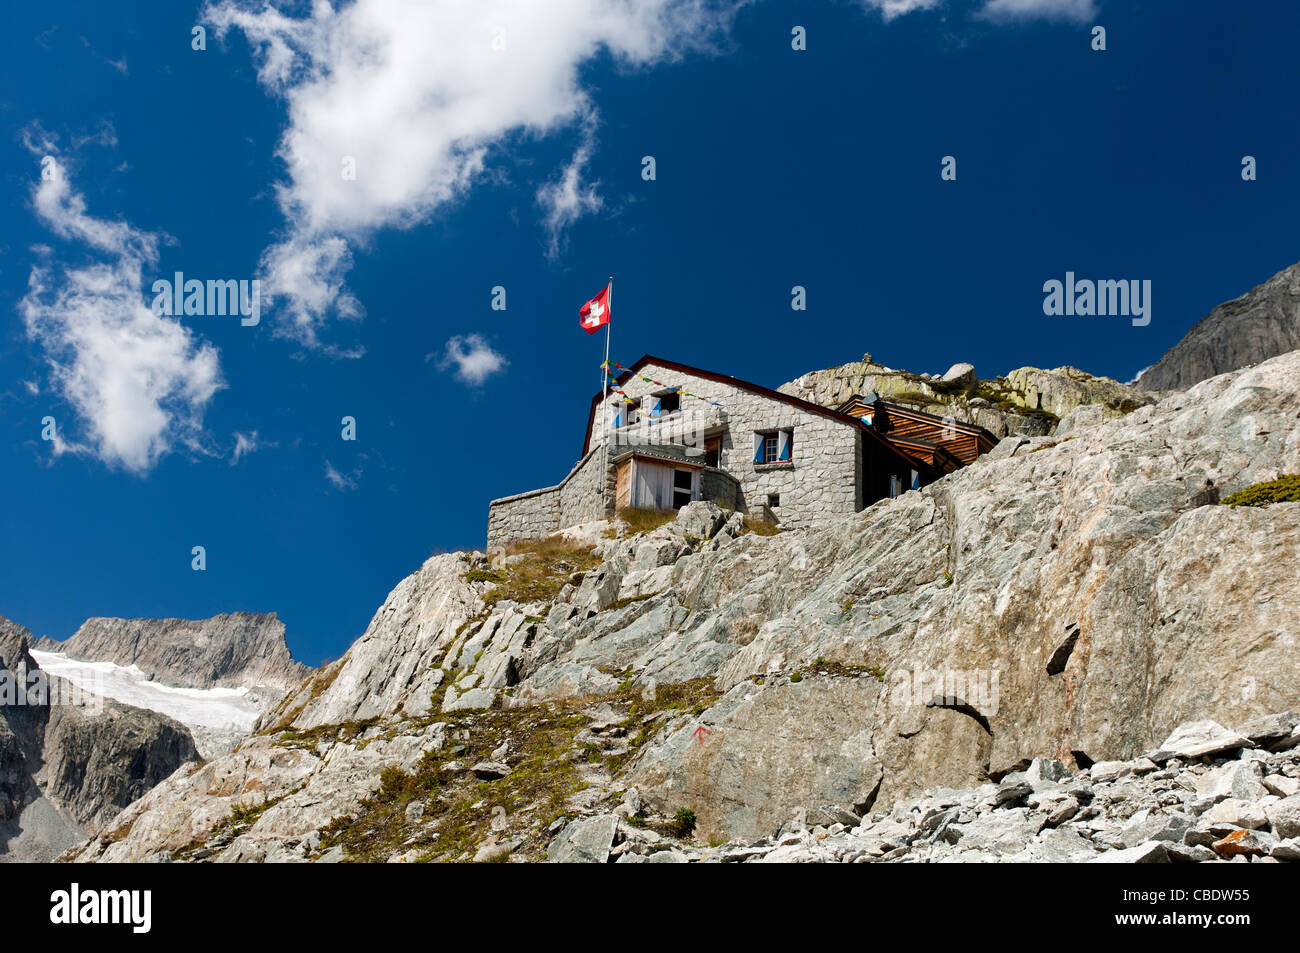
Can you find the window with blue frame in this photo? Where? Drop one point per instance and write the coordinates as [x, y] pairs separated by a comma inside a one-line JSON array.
[[774, 446]]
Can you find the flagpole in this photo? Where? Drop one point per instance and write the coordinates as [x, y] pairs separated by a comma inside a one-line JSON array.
[[604, 405]]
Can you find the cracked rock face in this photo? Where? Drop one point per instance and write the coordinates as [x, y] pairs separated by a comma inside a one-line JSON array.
[[1131, 812], [1075, 599]]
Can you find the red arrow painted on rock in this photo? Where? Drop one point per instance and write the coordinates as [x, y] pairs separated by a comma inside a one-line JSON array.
[[700, 732]]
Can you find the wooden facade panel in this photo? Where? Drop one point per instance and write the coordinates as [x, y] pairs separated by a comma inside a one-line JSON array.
[[623, 485]]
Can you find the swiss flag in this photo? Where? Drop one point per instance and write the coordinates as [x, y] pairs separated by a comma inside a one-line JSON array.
[[594, 315]]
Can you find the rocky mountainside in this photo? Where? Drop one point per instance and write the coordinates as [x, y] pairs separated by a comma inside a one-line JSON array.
[[1262, 323], [1026, 402], [70, 761], [235, 650], [1074, 598], [1209, 794]]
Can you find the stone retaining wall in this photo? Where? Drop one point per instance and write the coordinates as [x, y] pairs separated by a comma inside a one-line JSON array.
[[576, 499]]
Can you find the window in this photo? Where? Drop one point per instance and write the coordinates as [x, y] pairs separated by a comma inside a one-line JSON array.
[[670, 403], [712, 451], [773, 500], [774, 446], [895, 485], [682, 480], [626, 413]]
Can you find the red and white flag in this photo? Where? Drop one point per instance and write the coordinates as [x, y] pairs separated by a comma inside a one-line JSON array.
[[594, 315]]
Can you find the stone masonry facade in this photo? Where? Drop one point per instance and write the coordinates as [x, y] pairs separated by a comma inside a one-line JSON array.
[[820, 482]]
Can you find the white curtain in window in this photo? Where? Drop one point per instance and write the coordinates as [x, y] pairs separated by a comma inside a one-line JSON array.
[[654, 486]]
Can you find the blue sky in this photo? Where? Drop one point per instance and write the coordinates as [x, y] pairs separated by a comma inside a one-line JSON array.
[[521, 167]]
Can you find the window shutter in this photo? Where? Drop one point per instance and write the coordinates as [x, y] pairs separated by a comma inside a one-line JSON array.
[[916, 480], [654, 406], [758, 448], [783, 445]]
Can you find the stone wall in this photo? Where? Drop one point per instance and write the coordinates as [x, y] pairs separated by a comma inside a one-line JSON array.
[[523, 516], [580, 493], [576, 499], [819, 483], [718, 486]]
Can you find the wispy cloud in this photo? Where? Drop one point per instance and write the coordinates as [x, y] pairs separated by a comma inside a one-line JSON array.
[[1078, 11], [245, 443], [567, 199], [138, 382], [889, 9], [341, 481], [474, 359], [417, 96]]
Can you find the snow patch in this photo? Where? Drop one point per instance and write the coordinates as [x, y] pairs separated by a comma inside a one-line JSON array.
[[223, 709]]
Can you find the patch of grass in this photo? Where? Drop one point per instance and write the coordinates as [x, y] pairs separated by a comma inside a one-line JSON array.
[[121, 832], [242, 817], [1126, 406], [315, 686], [543, 571], [484, 575], [545, 546], [628, 600], [644, 521], [759, 527], [1049, 445], [1285, 489], [795, 677], [841, 670], [459, 809], [917, 397], [311, 737]]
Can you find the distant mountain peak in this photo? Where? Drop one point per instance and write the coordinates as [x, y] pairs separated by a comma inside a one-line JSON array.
[[1262, 323]]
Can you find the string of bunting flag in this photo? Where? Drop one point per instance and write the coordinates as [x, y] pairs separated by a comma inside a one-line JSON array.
[[613, 385]]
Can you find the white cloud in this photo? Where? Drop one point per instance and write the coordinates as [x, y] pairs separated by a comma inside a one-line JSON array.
[[897, 8], [418, 93], [567, 199], [245, 443], [1077, 10], [339, 480], [473, 357], [138, 382]]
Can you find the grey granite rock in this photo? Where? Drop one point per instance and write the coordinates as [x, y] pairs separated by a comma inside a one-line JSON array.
[[1261, 324]]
